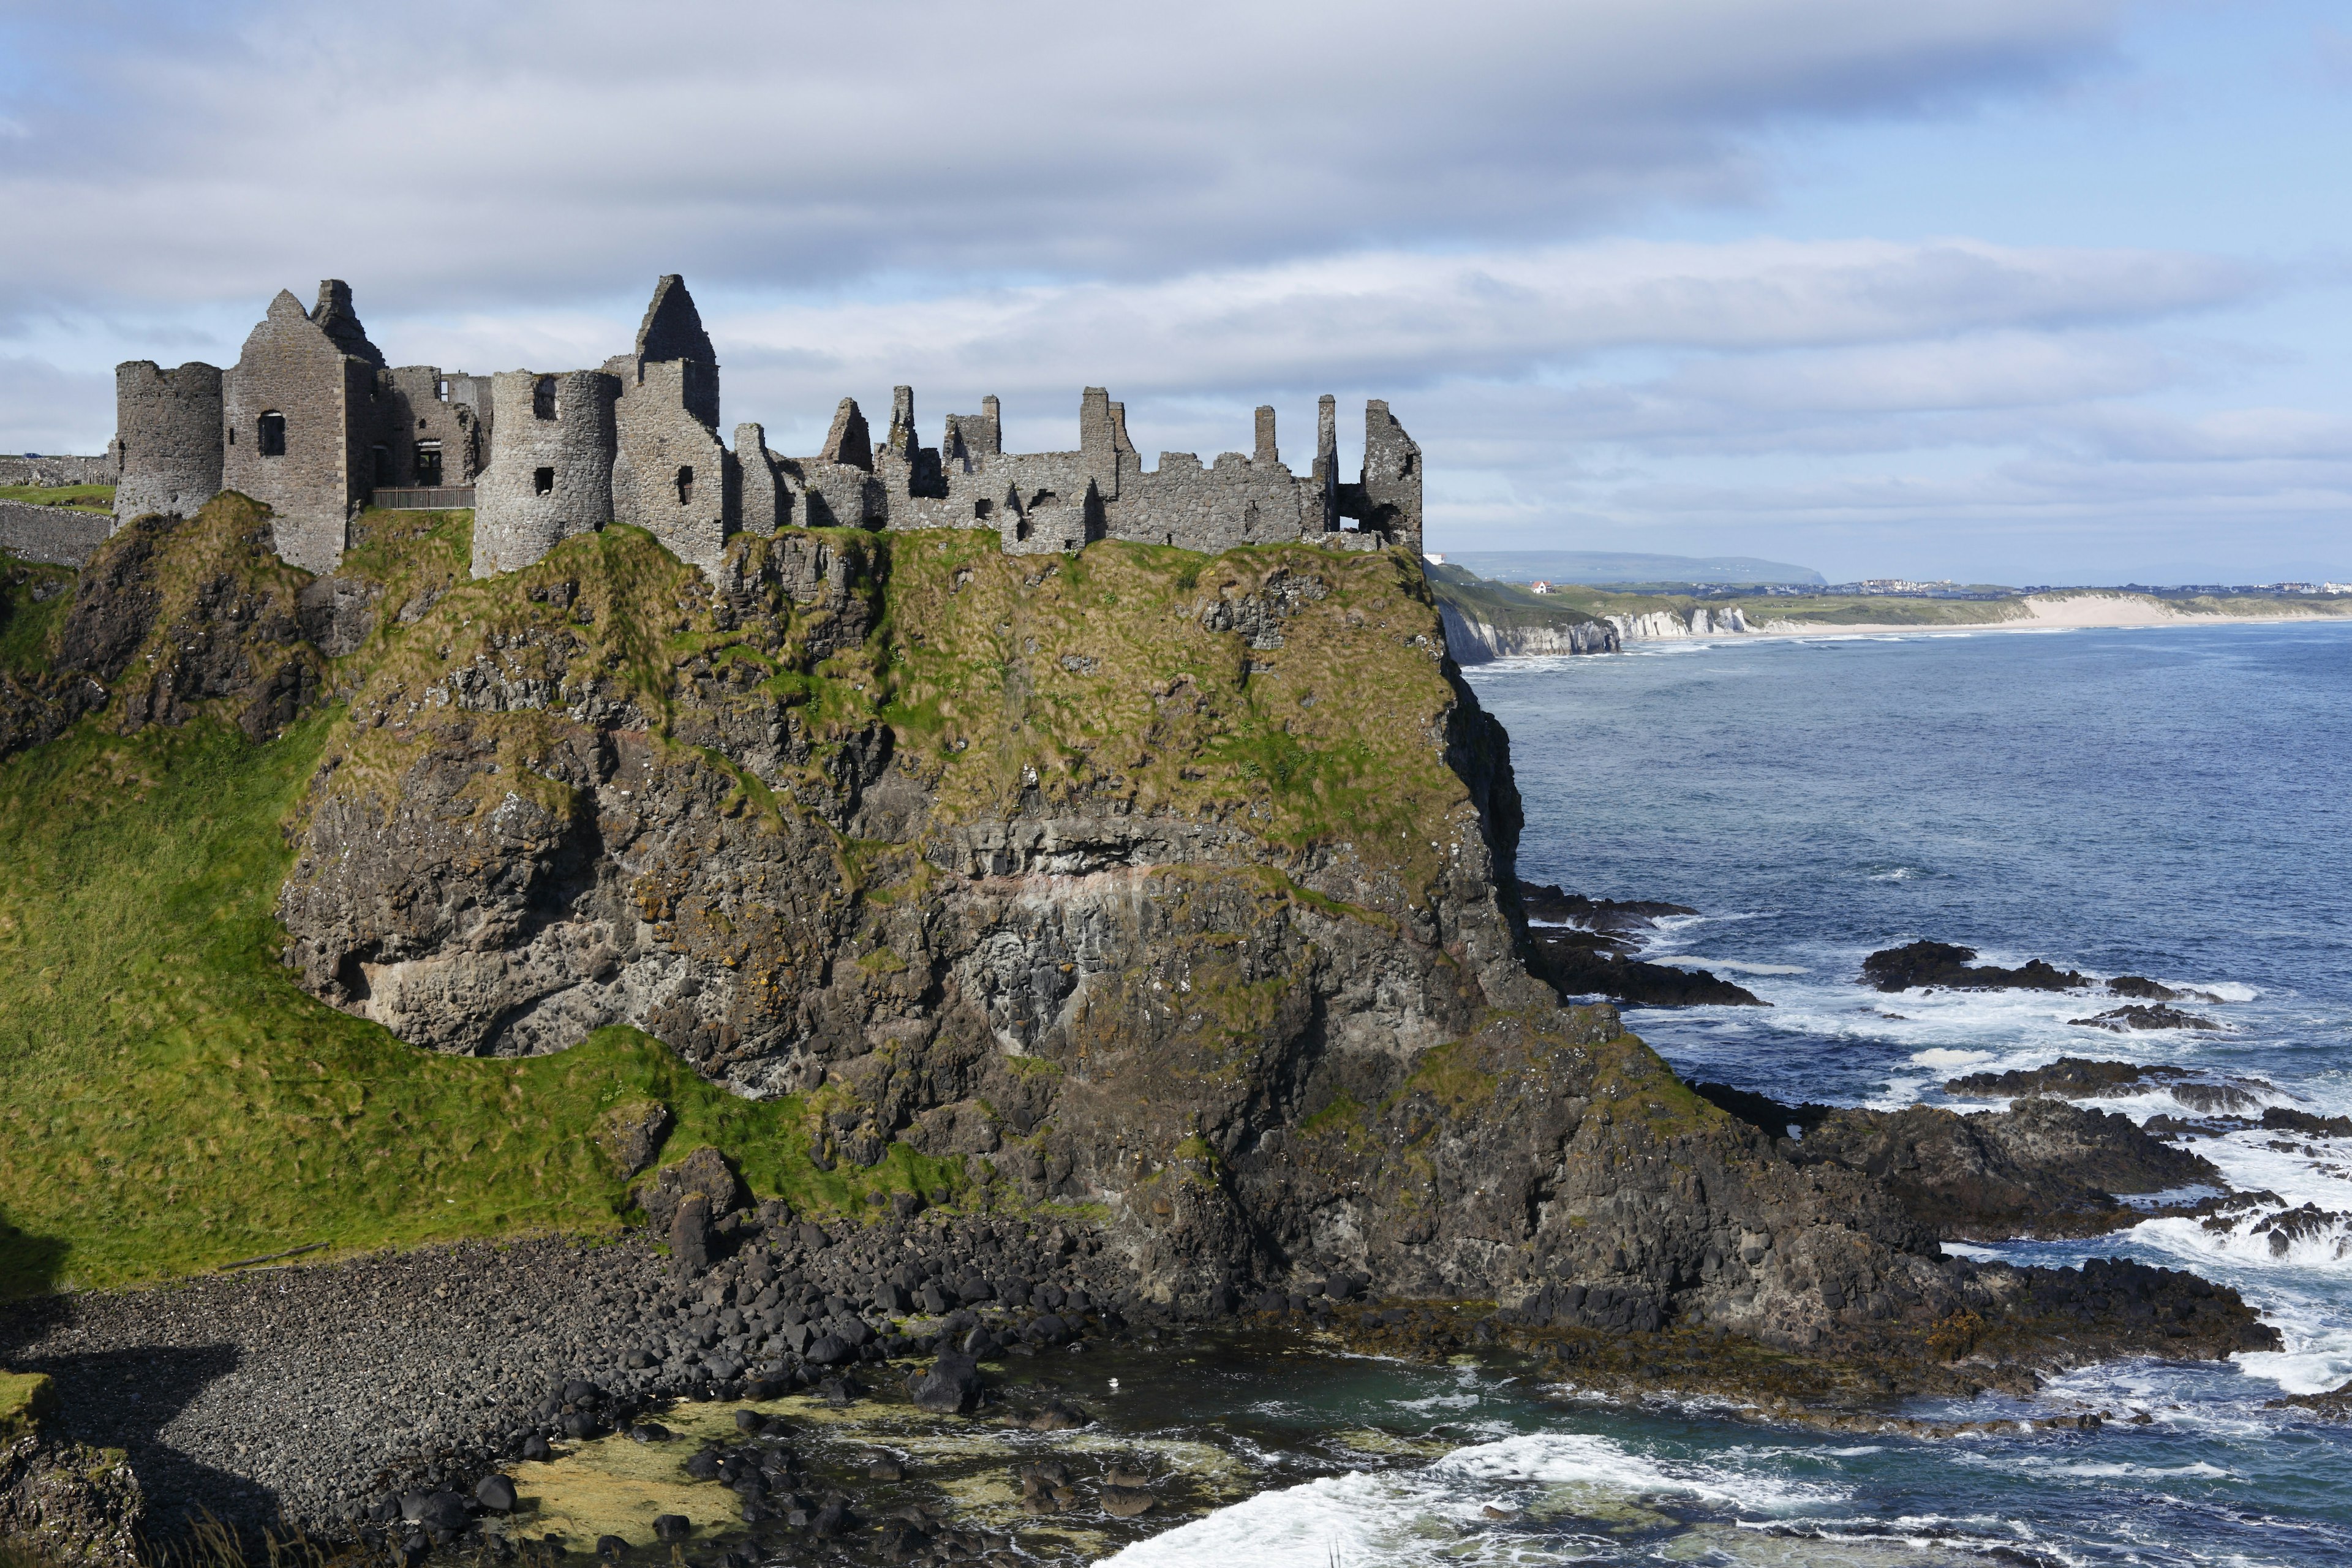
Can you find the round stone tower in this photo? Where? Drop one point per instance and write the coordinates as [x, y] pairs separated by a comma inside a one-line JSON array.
[[167, 441]]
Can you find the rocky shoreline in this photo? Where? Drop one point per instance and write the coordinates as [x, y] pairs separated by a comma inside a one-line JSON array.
[[381, 1399]]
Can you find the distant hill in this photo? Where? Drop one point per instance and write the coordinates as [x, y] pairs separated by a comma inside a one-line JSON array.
[[1609, 566]]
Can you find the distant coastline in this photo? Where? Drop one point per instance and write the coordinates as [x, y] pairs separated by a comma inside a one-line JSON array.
[[1486, 619], [2081, 610]]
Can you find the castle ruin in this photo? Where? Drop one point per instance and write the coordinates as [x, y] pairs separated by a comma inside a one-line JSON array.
[[312, 422]]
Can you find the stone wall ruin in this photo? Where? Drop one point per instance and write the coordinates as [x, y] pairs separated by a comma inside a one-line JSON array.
[[312, 422]]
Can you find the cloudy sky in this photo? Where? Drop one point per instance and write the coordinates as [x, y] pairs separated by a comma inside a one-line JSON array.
[[2014, 290]]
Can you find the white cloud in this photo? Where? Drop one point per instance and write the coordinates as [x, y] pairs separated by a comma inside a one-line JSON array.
[[1203, 210], [543, 150]]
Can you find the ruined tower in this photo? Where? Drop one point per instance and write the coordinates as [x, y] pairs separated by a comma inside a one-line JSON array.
[[670, 477], [553, 444], [1391, 488], [301, 411], [167, 438]]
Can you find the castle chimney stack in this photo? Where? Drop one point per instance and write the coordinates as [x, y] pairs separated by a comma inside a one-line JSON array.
[[1266, 451]]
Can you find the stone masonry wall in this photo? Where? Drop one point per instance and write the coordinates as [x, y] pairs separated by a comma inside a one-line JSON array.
[[562, 424], [638, 443], [670, 476], [292, 367], [762, 500], [1391, 482], [167, 438], [60, 536], [418, 416]]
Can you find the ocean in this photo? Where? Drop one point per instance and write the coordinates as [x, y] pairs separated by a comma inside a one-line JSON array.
[[2173, 803]]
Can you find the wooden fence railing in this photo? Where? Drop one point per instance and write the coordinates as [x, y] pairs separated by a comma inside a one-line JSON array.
[[434, 498]]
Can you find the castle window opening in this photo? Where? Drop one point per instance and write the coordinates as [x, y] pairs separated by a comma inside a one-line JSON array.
[[543, 404], [685, 486], [428, 463], [981, 508], [543, 481], [1021, 528], [273, 435], [441, 389], [380, 459]]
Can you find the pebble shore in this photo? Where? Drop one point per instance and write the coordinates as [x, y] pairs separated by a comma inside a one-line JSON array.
[[317, 1395]]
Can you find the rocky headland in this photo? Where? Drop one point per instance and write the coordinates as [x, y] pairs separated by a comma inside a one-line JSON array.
[[1127, 938]]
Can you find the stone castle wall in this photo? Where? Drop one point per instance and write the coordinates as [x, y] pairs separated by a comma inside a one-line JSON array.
[[427, 411], [48, 472], [553, 455], [670, 476], [168, 440], [57, 535], [553, 442], [312, 468]]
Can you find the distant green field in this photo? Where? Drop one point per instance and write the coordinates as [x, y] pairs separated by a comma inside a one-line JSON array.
[[95, 498]]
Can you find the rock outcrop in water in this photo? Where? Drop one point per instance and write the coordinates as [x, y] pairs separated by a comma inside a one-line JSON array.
[[1177, 891], [1586, 947], [1932, 963], [2042, 1168]]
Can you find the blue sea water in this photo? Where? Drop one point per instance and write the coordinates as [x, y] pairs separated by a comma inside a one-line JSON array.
[[2173, 803]]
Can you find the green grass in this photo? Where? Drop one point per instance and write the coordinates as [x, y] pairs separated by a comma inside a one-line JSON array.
[[170, 1102], [96, 497], [24, 620], [25, 1398]]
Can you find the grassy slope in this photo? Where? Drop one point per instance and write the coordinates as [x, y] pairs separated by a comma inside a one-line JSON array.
[[25, 621], [1506, 605], [170, 1101], [1098, 678]]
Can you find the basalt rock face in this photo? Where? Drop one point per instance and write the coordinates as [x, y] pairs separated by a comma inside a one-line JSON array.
[[173, 617], [1170, 887], [69, 1504], [1175, 890]]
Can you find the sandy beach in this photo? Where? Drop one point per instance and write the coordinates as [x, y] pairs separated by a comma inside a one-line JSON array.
[[2060, 612]]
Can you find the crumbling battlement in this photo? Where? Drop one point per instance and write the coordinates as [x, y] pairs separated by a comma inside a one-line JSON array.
[[312, 422], [45, 472]]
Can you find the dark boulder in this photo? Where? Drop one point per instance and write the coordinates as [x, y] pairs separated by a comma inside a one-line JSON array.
[[672, 1527], [689, 1233], [631, 1135], [703, 1170], [496, 1493], [1126, 1503], [1582, 964], [2076, 1078], [951, 1387], [443, 1512]]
